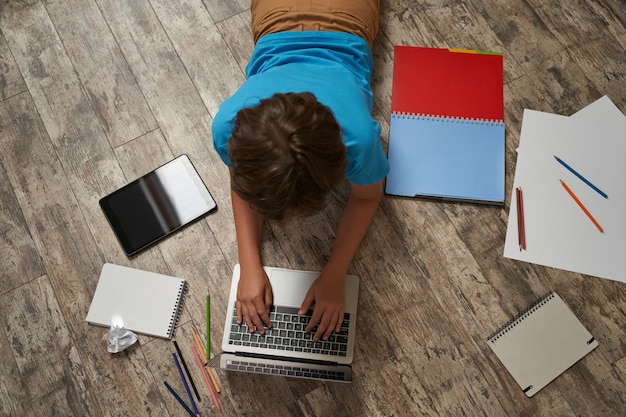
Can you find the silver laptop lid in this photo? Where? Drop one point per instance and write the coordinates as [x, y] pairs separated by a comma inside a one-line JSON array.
[[289, 288]]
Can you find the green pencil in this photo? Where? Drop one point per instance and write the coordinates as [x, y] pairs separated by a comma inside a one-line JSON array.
[[208, 327]]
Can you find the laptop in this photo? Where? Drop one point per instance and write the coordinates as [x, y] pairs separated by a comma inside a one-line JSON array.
[[287, 349]]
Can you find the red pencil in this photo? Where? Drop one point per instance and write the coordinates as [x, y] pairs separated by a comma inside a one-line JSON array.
[[521, 232]]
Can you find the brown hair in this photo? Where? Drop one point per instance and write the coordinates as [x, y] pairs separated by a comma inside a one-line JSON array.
[[286, 154]]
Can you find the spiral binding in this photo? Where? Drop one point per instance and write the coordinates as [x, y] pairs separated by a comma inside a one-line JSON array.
[[520, 317], [179, 306], [439, 118]]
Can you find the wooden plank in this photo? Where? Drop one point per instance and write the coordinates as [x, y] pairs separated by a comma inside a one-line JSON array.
[[48, 364], [109, 84], [574, 26], [522, 33], [431, 338], [405, 23], [238, 36], [186, 22], [619, 368], [15, 400], [222, 10], [603, 61], [337, 400], [11, 82], [19, 260], [613, 8]]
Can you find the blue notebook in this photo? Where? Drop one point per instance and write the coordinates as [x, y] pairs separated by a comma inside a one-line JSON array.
[[449, 159], [447, 132]]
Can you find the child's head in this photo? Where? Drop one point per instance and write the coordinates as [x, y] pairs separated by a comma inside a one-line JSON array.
[[286, 154]]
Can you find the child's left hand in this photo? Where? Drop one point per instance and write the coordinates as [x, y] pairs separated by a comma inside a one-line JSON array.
[[328, 294]]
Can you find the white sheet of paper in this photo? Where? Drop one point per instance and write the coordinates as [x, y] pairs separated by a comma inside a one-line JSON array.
[[558, 233]]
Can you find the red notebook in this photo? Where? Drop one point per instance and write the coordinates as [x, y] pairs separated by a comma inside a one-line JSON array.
[[447, 125]]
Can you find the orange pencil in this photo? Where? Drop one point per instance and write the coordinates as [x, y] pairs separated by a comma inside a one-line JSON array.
[[210, 372], [197, 340], [581, 205]]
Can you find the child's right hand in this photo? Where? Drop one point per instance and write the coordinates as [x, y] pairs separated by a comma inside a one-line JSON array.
[[254, 298]]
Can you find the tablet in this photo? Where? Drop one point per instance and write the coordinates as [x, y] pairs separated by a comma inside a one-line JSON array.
[[157, 204]]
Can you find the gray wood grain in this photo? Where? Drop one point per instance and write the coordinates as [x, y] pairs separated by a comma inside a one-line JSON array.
[[11, 82]]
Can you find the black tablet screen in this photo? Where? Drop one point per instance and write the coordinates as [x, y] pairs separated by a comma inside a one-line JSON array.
[[156, 204]]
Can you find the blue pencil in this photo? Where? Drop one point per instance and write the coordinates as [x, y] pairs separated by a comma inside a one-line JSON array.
[[182, 376], [180, 400], [583, 179]]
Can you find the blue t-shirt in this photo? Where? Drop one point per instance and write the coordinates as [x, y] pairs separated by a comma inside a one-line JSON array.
[[337, 68]]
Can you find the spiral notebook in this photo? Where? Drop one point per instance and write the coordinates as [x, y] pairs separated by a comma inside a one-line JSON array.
[[141, 301], [541, 343], [446, 134]]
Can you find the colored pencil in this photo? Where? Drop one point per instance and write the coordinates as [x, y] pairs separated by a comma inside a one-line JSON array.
[[582, 206], [583, 179], [180, 400], [521, 232], [182, 360], [208, 326], [199, 345], [206, 379], [182, 376], [208, 340], [204, 360], [210, 372]]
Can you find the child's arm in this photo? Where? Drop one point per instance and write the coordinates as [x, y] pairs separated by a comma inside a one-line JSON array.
[[254, 293], [328, 290]]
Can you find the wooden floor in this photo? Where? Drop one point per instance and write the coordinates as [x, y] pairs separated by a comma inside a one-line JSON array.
[[94, 93]]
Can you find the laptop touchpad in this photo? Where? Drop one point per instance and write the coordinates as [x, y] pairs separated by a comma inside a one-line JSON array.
[[290, 287]]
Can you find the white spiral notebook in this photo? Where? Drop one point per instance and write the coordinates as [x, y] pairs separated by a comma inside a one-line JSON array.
[[541, 343], [140, 301]]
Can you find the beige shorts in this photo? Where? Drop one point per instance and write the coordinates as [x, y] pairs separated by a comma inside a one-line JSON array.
[[359, 17]]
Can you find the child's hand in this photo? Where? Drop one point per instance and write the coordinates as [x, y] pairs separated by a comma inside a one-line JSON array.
[[328, 294], [254, 299]]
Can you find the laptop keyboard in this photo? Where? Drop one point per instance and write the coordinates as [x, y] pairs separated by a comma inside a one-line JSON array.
[[288, 334]]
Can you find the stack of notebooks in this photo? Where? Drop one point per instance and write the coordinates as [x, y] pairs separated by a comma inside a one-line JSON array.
[[446, 137], [558, 231]]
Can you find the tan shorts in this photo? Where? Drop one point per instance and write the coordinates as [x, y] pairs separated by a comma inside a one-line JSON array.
[[359, 17]]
